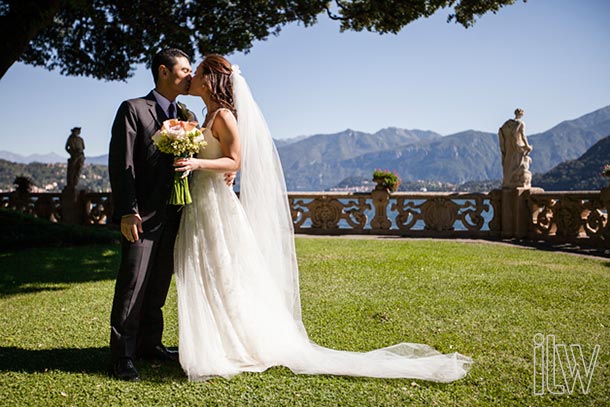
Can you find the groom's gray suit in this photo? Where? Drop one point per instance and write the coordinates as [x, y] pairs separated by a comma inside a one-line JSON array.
[[141, 178]]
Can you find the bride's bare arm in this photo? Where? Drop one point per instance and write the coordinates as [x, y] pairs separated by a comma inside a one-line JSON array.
[[225, 128]]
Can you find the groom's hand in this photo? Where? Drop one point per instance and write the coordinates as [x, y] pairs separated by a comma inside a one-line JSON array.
[[130, 226]]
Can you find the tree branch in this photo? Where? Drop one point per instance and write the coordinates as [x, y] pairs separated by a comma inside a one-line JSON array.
[[20, 25]]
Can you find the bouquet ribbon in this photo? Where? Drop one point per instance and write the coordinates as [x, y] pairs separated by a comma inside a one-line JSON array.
[[181, 195]]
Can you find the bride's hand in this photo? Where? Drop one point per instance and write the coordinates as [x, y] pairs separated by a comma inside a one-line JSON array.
[[186, 165], [230, 178]]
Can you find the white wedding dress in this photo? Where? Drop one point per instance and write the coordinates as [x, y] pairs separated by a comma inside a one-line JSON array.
[[235, 316]]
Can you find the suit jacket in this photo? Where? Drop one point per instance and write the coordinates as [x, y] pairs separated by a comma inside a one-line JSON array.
[[141, 177]]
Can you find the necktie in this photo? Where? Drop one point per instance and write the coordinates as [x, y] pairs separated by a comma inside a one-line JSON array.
[[171, 111]]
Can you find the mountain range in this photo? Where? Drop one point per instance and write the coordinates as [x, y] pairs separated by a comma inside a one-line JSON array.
[[50, 158], [321, 161], [584, 173]]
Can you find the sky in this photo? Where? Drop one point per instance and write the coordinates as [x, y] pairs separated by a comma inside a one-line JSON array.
[[549, 57]]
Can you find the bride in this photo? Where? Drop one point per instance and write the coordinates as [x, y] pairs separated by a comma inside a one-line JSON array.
[[235, 261]]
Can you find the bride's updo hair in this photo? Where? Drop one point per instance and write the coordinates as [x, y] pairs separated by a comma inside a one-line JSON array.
[[216, 72]]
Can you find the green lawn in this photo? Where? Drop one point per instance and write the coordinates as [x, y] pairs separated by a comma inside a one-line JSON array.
[[483, 300]]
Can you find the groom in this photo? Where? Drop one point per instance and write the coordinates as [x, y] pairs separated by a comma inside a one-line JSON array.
[[141, 178]]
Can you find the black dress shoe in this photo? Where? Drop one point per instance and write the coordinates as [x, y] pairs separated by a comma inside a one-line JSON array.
[[123, 369], [159, 353]]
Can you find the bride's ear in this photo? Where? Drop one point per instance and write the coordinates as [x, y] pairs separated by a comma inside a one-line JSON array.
[[206, 87]]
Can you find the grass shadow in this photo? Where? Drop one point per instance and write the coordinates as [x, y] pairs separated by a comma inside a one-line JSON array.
[[153, 372], [570, 248], [70, 360], [48, 269], [92, 361]]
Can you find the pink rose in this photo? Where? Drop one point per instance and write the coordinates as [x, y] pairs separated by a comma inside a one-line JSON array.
[[176, 128], [170, 125], [188, 126]]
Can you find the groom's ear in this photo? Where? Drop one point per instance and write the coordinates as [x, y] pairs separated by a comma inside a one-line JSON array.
[[164, 71]]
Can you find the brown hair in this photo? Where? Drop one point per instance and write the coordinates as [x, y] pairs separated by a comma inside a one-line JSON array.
[[216, 70], [169, 58]]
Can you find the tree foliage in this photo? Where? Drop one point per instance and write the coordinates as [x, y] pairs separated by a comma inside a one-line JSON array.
[[390, 16], [105, 39]]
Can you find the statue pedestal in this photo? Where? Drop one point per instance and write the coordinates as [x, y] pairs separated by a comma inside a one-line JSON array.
[[604, 194], [515, 212], [72, 205], [381, 198]]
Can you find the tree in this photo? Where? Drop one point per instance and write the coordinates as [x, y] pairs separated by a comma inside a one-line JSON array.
[[105, 39]]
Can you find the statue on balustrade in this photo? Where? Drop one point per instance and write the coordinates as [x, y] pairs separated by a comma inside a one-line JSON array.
[[515, 153], [75, 146]]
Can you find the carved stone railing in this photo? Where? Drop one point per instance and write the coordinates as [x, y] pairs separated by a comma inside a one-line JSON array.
[[45, 205], [579, 217], [401, 214], [378, 212], [95, 208]]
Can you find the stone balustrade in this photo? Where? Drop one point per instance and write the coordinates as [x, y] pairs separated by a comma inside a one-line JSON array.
[[45, 205], [579, 217], [94, 208], [414, 214]]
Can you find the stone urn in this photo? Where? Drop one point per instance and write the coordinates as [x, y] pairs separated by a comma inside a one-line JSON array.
[[386, 183]]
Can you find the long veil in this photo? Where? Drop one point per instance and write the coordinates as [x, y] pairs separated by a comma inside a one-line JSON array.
[[263, 195], [264, 199]]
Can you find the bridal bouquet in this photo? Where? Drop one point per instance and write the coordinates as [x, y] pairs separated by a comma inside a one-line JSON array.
[[180, 139]]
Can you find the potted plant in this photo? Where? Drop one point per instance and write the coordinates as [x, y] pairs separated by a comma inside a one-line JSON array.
[[23, 185], [386, 179]]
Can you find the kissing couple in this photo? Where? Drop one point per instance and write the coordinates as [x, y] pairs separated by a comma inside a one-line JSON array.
[[234, 258]]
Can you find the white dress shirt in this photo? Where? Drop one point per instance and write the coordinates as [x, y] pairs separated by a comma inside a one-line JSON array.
[[164, 102]]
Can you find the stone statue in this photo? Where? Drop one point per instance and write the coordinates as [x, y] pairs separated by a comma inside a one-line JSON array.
[[75, 146], [515, 153]]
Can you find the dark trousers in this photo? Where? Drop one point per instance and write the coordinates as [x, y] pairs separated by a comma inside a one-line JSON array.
[[141, 288]]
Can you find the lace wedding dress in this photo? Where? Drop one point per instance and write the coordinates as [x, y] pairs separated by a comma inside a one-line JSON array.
[[238, 302]]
